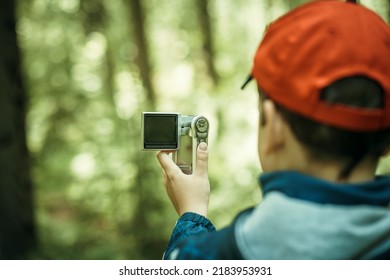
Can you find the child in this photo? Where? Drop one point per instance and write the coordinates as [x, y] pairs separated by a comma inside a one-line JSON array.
[[323, 74]]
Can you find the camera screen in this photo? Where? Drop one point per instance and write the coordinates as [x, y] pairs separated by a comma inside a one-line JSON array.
[[160, 131]]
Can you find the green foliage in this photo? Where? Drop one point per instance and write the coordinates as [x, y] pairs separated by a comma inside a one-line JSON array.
[[98, 196]]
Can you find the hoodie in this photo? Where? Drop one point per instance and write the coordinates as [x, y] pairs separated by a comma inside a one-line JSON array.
[[300, 217]]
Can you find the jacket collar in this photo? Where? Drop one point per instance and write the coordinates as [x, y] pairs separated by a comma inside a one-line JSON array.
[[300, 186]]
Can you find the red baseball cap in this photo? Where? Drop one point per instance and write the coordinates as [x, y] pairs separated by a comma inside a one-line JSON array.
[[317, 44]]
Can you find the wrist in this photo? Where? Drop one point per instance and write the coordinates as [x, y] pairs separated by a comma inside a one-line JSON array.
[[202, 211]]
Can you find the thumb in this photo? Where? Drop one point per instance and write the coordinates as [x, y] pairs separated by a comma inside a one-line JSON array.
[[202, 156]]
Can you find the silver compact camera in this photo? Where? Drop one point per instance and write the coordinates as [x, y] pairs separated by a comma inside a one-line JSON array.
[[174, 132]]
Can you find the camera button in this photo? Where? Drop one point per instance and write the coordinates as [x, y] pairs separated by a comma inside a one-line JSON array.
[[202, 125], [201, 135]]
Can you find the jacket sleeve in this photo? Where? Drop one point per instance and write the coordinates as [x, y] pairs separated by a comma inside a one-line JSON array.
[[189, 224], [195, 238]]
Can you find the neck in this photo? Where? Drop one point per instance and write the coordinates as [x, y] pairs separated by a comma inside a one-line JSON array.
[[330, 171]]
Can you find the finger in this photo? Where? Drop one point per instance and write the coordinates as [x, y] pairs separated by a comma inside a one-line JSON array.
[[202, 157], [167, 186], [164, 177], [167, 164]]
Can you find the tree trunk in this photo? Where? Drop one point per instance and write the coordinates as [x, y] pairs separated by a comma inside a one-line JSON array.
[[95, 20], [291, 4], [208, 48], [388, 11], [17, 226], [142, 59]]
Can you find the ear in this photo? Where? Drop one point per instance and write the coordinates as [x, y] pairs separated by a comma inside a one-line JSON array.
[[274, 128], [386, 152]]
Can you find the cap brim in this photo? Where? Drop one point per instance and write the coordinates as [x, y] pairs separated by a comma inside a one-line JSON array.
[[247, 81]]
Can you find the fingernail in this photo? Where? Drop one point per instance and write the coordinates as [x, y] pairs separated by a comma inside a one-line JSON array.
[[203, 146]]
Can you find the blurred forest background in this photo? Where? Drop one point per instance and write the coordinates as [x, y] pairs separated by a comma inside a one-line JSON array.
[[75, 76]]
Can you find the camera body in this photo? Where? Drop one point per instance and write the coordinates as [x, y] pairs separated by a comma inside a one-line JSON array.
[[174, 132]]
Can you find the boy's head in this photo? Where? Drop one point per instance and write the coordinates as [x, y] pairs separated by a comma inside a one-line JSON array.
[[325, 68]]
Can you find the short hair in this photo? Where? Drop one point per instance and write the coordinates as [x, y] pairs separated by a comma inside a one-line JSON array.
[[331, 143]]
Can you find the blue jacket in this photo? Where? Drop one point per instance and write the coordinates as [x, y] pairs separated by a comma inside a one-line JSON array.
[[300, 217]]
